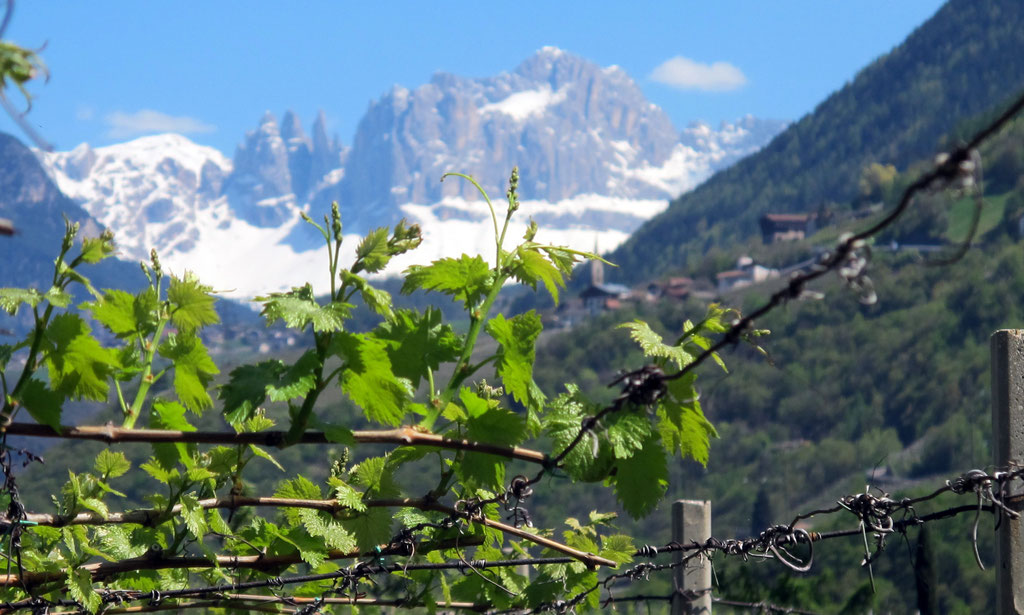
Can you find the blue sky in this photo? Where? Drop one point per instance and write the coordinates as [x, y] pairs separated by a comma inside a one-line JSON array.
[[119, 69]]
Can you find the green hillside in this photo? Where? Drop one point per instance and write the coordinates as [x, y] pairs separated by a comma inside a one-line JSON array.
[[963, 61], [900, 387]]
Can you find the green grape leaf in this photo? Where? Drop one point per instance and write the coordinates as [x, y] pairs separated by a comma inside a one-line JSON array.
[[347, 496], [57, 297], [652, 345], [80, 587], [368, 380], [115, 311], [193, 515], [626, 431], [191, 303], [376, 476], [494, 425], [111, 464], [246, 389], [78, 365], [418, 342], [684, 430], [171, 415], [311, 549], [371, 529], [215, 521], [297, 380], [43, 404], [259, 452], [298, 308], [641, 480], [618, 548], [117, 540], [299, 488], [372, 254], [334, 433], [376, 299], [193, 369], [95, 249], [561, 423], [320, 525], [531, 267], [516, 355], [466, 279], [11, 298], [157, 471]]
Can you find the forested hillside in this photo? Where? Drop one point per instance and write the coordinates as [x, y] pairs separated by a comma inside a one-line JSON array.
[[889, 394], [966, 59]]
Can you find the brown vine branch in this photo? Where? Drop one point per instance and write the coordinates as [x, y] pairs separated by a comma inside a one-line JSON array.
[[402, 436], [152, 516], [102, 571]]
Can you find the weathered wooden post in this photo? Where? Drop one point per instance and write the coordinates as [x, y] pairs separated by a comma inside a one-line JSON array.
[[691, 522], [1007, 347]]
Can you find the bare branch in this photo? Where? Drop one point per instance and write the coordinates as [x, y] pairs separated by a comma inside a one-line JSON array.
[[403, 436]]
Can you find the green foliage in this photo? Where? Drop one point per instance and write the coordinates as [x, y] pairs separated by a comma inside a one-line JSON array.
[[153, 358]]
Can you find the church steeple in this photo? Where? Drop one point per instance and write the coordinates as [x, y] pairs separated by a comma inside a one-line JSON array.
[[596, 269]]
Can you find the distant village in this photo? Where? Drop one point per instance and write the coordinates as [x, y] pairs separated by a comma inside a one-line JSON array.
[[601, 296]]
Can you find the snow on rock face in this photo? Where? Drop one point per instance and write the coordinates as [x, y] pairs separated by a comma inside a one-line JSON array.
[[147, 190]]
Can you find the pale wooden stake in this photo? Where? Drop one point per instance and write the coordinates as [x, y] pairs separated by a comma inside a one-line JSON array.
[[1007, 347], [691, 522]]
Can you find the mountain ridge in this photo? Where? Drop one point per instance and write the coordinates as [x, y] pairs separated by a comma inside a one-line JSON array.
[[596, 159]]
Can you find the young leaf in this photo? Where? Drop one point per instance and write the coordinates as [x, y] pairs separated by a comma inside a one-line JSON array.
[[515, 358], [562, 423], [193, 369], [78, 366], [80, 587], [417, 342], [618, 548], [298, 380], [372, 254], [377, 300], [531, 267], [246, 389], [44, 404], [641, 480], [376, 476], [371, 529], [95, 249], [110, 464], [466, 279], [298, 308], [11, 298], [191, 303], [193, 515], [627, 431], [650, 342], [681, 422], [171, 415], [115, 311], [493, 425], [368, 380]]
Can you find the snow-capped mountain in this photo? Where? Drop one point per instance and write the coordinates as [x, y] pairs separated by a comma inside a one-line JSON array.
[[596, 159]]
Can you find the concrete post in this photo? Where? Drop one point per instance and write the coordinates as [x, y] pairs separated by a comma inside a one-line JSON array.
[[1007, 347], [691, 522]]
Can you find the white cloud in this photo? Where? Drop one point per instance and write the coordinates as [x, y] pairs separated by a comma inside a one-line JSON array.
[[147, 121], [686, 74]]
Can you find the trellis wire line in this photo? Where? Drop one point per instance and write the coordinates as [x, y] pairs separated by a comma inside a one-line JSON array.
[[764, 606], [155, 560], [638, 572]]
